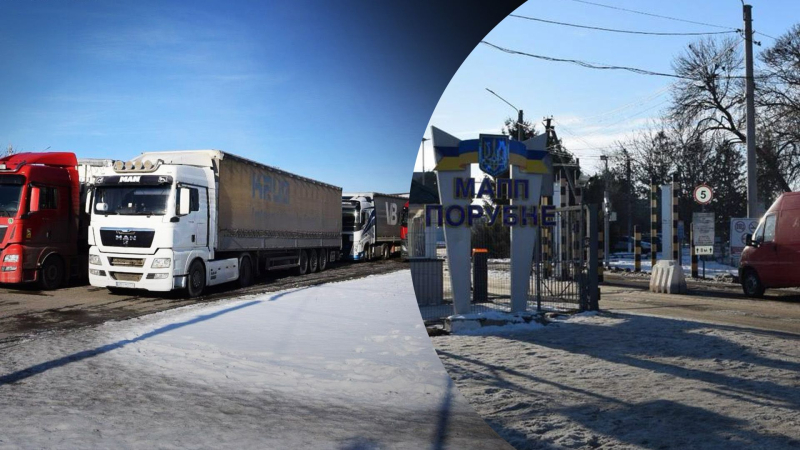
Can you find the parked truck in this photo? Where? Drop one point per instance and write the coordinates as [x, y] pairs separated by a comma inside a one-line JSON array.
[[43, 231], [372, 225], [192, 219]]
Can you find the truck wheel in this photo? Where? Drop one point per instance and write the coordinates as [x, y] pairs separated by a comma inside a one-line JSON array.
[[385, 251], [245, 272], [302, 268], [323, 259], [313, 261], [51, 275], [751, 285], [367, 253], [196, 281]]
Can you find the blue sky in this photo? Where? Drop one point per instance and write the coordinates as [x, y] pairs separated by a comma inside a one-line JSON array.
[[593, 108], [324, 89]]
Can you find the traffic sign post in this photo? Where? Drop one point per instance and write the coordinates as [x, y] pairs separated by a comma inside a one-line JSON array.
[[703, 235]]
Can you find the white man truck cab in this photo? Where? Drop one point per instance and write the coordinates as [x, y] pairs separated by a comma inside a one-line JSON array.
[[372, 225], [191, 219]]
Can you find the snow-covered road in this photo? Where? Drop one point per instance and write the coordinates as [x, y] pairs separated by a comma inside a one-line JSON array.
[[626, 381], [342, 365]]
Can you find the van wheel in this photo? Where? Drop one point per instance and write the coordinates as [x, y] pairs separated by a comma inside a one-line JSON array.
[[751, 285], [245, 272], [196, 281], [303, 260], [385, 251], [323, 259], [51, 275]]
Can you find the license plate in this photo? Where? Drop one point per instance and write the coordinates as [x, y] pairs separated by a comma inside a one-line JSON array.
[[125, 284]]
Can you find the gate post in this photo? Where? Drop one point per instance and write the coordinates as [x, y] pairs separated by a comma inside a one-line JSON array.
[[637, 249], [695, 274], [593, 289]]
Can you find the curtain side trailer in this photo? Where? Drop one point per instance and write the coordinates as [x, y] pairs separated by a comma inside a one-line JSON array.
[[191, 219]]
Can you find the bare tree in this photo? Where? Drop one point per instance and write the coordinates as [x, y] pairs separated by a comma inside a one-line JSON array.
[[710, 97]]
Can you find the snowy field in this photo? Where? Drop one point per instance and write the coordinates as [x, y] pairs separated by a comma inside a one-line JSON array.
[[345, 365], [713, 268], [626, 381]]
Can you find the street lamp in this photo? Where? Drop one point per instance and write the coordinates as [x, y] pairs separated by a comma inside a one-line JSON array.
[[519, 114]]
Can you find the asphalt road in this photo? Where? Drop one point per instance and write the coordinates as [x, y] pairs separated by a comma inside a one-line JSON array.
[[720, 303], [25, 311]]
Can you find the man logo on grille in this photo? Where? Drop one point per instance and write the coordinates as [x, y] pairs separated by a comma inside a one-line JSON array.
[[493, 154]]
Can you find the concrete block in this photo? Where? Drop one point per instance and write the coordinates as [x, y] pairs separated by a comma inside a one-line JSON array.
[[667, 277]]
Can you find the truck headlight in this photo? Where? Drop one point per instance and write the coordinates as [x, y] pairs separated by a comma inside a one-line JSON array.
[[94, 260], [11, 258], [9, 268], [161, 263], [97, 273]]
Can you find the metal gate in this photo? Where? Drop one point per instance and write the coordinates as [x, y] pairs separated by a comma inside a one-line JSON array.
[[561, 271]]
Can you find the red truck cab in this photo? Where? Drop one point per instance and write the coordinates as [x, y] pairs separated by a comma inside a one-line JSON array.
[[771, 258], [39, 219]]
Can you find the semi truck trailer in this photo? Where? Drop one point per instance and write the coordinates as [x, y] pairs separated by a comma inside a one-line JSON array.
[[371, 225], [43, 230], [191, 219]]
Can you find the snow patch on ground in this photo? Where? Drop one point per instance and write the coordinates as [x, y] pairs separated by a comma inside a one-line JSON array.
[[625, 381], [341, 365]]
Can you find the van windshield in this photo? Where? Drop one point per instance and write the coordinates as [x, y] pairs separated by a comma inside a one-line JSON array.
[[130, 200], [9, 199]]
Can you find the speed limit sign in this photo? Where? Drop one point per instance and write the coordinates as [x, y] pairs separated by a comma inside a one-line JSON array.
[[703, 194]]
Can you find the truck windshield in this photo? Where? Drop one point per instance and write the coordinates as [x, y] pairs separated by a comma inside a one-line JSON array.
[[9, 199], [130, 200]]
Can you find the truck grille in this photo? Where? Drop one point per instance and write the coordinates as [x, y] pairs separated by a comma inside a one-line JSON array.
[[127, 262], [123, 276], [120, 237]]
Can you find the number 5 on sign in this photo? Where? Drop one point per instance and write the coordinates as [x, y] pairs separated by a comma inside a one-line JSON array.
[[703, 194]]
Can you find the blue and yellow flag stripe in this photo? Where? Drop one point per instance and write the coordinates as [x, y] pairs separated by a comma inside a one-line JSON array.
[[456, 158]]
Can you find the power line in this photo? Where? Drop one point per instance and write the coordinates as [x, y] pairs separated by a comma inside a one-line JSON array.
[[586, 64], [609, 67], [655, 15], [614, 30], [764, 34]]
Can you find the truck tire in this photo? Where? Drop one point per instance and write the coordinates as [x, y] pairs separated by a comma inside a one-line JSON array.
[[51, 275], [196, 279], [385, 251], [751, 284], [367, 253], [302, 267], [245, 272], [323, 259], [313, 261]]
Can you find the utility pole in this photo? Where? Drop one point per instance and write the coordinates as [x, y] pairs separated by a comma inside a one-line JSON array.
[[606, 213], [519, 125], [752, 187]]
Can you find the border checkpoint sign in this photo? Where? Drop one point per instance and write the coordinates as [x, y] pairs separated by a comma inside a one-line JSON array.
[[530, 166]]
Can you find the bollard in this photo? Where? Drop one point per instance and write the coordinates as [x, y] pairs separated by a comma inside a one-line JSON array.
[[480, 275], [695, 275], [637, 250]]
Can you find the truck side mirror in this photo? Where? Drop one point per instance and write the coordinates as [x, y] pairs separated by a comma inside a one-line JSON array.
[[184, 200], [748, 240], [33, 203], [87, 208]]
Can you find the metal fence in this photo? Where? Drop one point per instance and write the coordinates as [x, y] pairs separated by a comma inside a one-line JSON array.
[[558, 276]]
